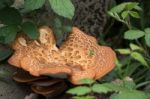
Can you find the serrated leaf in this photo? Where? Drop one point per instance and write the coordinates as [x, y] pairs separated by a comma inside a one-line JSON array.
[[134, 14], [80, 90], [10, 16], [30, 5], [63, 8], [125, 14], [101, 88], [139, 57], [31, 30], [87, 81], [124, 51], [147, 36], [5, 52], [129, 95], [133, 34], [135, 47], [8, 33]]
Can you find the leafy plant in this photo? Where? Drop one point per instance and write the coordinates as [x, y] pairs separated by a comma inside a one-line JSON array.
[[13, 22], [138, 47], [122, 89], [133, 52], [63, 8]]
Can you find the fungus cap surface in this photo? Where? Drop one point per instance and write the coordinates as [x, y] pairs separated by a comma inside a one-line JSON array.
[[79, 56]]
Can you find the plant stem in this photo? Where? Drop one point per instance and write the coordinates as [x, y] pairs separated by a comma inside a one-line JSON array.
[[127, 68], [142, 84]]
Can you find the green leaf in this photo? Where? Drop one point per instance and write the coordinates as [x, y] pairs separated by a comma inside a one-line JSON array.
[[63, 8], [101, 88], [129, 83], [132, 5], [139, 57], [4, 3], [147, 36], [134, 14], [5, 52], [125, 14], [124, 51], [135, 47], [31, 30], [30, 5], [119, 8], [87, 81], [107, 87], [129, 95], [115, 16], [133, 34], [8, 33], [138, 8], [10, 16], [80, 90]]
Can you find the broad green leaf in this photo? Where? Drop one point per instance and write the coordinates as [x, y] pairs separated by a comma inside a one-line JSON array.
[[63, 8], [101, 88], [33, 4], [5, 52], [80, 90], [135, 47], [119, 8], [115, 16], [87, 81], [138, 8], [9, 33], [139, 57], [31, 30], [129, 95], [10, 16], [4, 3], [133, 34], [134, 14], [132, 5], [107, 87], [147, 36], [125, 14], [124, 51]]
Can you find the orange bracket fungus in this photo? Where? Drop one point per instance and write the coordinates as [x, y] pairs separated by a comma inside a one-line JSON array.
[[79, 56]]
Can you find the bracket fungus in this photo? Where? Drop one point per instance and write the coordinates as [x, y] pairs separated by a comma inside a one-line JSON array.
[[79, 56]]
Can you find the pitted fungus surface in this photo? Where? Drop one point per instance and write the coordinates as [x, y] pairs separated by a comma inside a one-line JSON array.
[[79, 56]]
